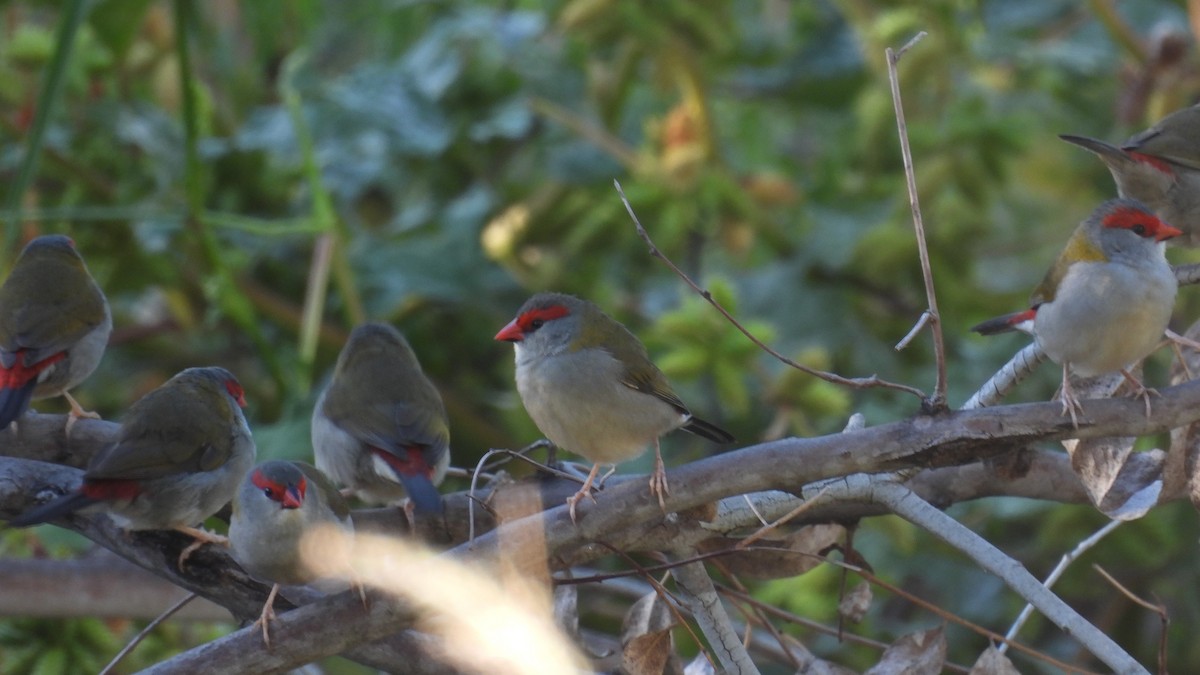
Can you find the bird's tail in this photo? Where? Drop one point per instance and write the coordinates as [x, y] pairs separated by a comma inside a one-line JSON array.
[[14, 400], [54, 510], [1003, 324], [423, 493], [707, 430], [1107, 152]]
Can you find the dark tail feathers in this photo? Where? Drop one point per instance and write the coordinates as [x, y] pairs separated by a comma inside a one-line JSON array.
[[14, 401], [52, 511], [1003, 324], [708, 430], [423, 493]]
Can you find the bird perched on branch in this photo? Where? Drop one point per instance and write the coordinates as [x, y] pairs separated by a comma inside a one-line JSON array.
[[290, 525], [178, 458], [1106, 302], [54, 326], [590, 386], [380, 427], [1159, 167]]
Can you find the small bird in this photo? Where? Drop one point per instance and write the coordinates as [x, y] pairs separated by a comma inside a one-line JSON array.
[[590, 386], [380, 427], [1106, 302], [1159, 167], [178, 458], [54, 326], [278, 506]]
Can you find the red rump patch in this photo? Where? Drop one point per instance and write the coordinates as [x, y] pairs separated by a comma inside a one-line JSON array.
[[411, 464], [1022, 317], [116, 489], [20, 374], [1151, 160]]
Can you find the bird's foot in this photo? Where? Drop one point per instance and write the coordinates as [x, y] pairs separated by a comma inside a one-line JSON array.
[[267, 616], [1140, 390], [585, 491], [77, 411], [202, 537], [1071, 405], [658, 482]]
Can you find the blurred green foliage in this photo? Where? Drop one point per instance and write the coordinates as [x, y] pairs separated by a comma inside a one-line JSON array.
[[460, 156]]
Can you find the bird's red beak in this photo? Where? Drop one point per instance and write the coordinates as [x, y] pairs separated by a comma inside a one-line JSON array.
[[510, 333], [1165, 232], [292, 499]]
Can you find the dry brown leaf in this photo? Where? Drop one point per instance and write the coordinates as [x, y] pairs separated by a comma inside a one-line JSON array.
[[854, 606], [646, 645], [1122, 484], [790, 556], [920, 653], [992, 662], [646, 654]]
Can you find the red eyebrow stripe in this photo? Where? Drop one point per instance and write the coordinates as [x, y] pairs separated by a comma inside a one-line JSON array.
[[544, 313], [1126, 218]]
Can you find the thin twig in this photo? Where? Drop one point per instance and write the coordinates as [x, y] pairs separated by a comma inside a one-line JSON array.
[[471, 492], [855, 382], [1057, 572], [1159, 609], [673, 603], [756, 615], [931, 316], [767, 529], [926, 317], [146, 631]]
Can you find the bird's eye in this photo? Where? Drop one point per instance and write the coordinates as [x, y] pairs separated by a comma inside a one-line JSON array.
[[536, 324], [1139, 230], [269, 493]]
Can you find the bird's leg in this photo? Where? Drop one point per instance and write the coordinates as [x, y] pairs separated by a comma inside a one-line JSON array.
[[1140, 390], [658, 479], [202, 537], [1070, 404], [585, 491], [268, 615], [77, 411], [604, 479], [1182, 361]]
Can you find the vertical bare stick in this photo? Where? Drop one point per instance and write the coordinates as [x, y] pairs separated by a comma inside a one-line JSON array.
[[938, 400]]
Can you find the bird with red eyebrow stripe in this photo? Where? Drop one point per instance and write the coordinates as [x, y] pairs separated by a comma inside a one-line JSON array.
[[1106, 301], [1159, 167], [54, 326], [380, 427], [590, 386], [275, 532], [178, 458]]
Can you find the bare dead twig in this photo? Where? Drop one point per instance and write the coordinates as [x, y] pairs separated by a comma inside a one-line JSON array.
[[855, 382], [931, 316], [1158, 609], [137, 639]]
